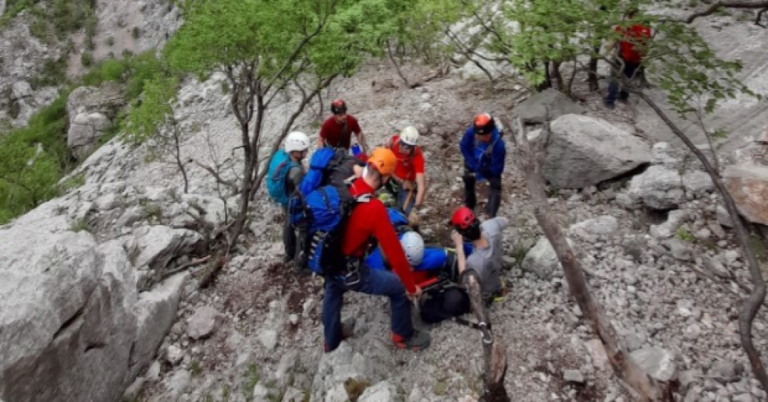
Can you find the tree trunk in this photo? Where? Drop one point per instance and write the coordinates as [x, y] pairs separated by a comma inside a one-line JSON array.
[[494, 351], [528, 158], [755, 300], [594, 86], [557, 78]]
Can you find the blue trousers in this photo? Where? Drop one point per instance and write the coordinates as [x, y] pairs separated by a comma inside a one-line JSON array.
[[613, 86], [372, 282]]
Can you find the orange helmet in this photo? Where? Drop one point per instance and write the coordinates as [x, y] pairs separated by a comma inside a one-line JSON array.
[[383, 160], [484, 124]]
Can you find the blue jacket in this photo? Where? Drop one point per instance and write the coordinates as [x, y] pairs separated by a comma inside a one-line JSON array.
[[479, 159]]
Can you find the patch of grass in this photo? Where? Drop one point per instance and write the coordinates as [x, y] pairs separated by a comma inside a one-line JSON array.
[[225, 393], [518, 253], [110, 41], [195, 368], [440, 388], [758, 247], [355, 388], [684, 235], [73, 182], [86, 59], [54, 73], [151, 211], [251, 379], [81, 225]]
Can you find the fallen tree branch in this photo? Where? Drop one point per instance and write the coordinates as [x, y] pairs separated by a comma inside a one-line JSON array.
[[494, 351], [528, 157], [757, 296], [183, 267]]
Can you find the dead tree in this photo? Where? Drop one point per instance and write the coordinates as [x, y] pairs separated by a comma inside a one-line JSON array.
[[757, 296], [494, 351], [528, 156]]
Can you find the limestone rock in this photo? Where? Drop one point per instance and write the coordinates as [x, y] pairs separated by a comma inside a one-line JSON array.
[[203, 323], [155, 313], [381, 392], [668, 229], [584, 151], [157, 245], [542, 260], [663, 188], [268, 339], [658, 363], [573, 376], [589, 229], [748, 185], [535, 108], [333, 370], [65, 300]]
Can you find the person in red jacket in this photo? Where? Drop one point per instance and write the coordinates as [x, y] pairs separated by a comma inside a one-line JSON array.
[[337, 130], [632, 49], [369, 221], [408, 183]]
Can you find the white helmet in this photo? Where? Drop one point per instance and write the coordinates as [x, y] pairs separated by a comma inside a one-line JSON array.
[[413, 245], [410, 136], [296, 141]]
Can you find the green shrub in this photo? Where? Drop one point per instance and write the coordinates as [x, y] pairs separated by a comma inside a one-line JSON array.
[[86, 59], [110, 41], [135, 32]]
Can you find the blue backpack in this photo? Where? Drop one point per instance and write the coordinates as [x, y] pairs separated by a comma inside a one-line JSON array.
[[320, 208], [279, 167]]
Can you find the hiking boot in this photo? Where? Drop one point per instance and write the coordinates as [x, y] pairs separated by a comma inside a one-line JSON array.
[[420, 340], [609, 105], [348, 328]]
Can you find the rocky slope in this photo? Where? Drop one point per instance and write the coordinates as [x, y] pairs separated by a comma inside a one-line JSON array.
[[98, 310]]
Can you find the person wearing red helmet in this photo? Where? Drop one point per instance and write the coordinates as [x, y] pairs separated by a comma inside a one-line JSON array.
[[368, 221], [337, 130], [486, 257], [484, 153]]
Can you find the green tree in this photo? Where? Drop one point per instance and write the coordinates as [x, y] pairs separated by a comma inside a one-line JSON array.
[[268, 48]]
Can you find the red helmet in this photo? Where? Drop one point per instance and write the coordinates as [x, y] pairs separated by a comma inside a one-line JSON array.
[[338, 106], [484, 124], [466, 223]]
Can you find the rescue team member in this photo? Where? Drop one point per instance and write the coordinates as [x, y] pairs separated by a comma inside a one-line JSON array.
[[297, 147], [367, 221], [484, 153], [409, 183], [337, 130], [632, 47], [486, 257]]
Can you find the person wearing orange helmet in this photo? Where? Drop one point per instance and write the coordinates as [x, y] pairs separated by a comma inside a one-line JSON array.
[[368, 221], [337, 130], [484, 153]]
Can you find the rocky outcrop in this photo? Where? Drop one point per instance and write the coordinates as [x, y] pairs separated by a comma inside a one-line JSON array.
[[549, 102], [584, 151], [660, 187], [74, 324], [91, 113], [748, 185]]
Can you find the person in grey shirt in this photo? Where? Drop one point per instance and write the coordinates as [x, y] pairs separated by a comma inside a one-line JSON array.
[[486, 257], [297, 147]]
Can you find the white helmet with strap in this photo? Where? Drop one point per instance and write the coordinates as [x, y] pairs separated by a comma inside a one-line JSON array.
[[410, 136], [413, 245], [296, 141]]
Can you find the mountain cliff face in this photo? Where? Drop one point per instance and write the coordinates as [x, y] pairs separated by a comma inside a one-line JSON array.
[[101, 293]]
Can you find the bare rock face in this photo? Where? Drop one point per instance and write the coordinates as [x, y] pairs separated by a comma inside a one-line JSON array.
[[584, 151], [552, 101], [91, 112], [748, 185]]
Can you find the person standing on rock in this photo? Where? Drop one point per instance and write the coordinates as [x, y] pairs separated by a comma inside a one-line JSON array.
[[337, 130], [484, 154], [632, 48], [297, 147], [368, 221], [408, 183]]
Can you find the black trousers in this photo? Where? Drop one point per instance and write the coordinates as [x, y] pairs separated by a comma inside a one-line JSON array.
[[289, 238], [470, 194]]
